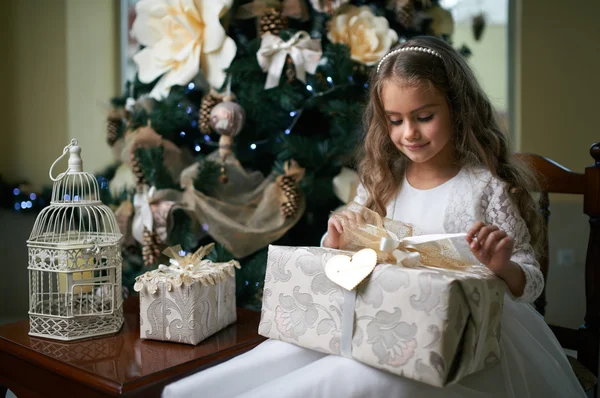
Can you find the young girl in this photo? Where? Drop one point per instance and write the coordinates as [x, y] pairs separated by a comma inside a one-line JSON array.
[[434, 157]]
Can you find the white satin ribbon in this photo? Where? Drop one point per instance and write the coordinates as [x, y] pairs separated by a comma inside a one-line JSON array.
[[347, 328], [304, 51], [143, 214]]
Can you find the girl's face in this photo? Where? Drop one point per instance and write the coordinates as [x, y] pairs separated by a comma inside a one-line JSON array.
[[419, 123]]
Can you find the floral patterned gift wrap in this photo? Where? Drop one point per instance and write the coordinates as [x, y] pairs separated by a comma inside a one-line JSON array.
[[187, 301], [429, 324]]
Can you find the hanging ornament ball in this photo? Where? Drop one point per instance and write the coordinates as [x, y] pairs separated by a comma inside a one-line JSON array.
[[208, 103], [227, 118]]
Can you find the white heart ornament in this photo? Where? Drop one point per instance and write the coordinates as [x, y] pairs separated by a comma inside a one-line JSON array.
[[349, 271]]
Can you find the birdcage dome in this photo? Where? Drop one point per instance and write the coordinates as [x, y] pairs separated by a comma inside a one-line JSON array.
[[76, 216]]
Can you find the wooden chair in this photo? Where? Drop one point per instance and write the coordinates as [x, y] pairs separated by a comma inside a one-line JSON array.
[[555, 178]]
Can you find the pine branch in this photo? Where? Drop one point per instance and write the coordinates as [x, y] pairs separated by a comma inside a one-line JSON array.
[[151, 162], [207, 176]]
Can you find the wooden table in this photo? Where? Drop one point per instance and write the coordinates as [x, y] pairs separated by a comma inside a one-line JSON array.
[[115, 365]]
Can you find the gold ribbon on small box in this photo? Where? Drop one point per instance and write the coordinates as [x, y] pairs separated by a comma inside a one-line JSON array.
[[185, 270]]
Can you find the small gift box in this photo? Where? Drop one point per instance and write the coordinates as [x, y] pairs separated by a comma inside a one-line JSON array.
[[187, 301], [434, 325]]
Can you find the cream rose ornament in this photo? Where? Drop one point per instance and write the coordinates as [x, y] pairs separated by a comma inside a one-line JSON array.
[[181, 37], [369, 37]]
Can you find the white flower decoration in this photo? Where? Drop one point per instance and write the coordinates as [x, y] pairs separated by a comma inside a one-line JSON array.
[[181, 37], [369, 37]]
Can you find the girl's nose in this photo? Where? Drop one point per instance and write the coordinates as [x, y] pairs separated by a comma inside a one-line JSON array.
[[412, 132]]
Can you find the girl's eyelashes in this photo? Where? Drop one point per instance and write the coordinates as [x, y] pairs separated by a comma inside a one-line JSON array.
[[425, 118], [421, 119]]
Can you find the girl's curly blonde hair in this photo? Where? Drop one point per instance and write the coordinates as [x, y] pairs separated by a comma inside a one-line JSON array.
[[477, 139]]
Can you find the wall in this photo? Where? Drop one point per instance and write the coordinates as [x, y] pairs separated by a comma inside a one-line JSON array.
[[488, 60], [61, 70], [93, 76], [557, 66], [37, 73]]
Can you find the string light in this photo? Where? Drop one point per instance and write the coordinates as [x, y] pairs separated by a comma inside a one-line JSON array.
[[32, 196], [197, 148], [191, 86], [182, 134], [253, 146], [292, 113], [17, 206], [329, 80], [309, 87], [287, 131], [206, 138], [16, 191], [182, 252], [188, 110], [194, 123]]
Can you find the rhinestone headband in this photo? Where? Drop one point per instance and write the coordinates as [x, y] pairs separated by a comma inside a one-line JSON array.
[[403, 49]]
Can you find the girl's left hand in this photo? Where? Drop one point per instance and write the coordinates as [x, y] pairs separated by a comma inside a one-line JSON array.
[[491, 246]]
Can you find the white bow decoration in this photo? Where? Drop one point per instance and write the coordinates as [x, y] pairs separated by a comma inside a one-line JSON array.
[[143, 214], [304, 51]]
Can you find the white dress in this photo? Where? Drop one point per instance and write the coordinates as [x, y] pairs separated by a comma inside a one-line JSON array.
[[532, 362]]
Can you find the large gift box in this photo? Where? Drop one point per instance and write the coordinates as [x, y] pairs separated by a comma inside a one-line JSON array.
[[187, 301], [431, 324]]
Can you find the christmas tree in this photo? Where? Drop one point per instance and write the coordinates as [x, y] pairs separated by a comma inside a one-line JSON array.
[[241, 117]]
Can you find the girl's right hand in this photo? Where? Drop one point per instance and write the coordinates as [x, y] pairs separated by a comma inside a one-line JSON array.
[[335, 227]]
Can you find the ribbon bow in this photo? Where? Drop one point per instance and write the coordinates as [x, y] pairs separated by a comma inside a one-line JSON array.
[[304, 51], [398, 242], [189, 261], [185, 270], [143, 213]]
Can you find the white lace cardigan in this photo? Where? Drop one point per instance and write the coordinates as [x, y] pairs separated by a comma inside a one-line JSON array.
[[478, 196]]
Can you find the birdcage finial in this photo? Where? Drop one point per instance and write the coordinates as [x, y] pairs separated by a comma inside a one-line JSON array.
[[75, 162]]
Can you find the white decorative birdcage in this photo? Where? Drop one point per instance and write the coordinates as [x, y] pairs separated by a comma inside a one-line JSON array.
[[75, 260]]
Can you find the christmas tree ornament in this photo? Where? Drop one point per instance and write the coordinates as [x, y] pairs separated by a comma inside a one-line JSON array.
[[327, 6], [478, 26], [150, 248], [181, 43], [114, 123], [442, 23], [296, 9], [403, 10], [368, 36], [304, 52], [208, 103], [75, 259], [227, 120], [272, 22], [290, 195], [137, 170]]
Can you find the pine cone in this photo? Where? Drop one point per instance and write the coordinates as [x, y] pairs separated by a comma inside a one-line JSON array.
[[272, 22], [208, 103], [405, 11], [114, 121], [290, 189], [137, 171], [150, 248]]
